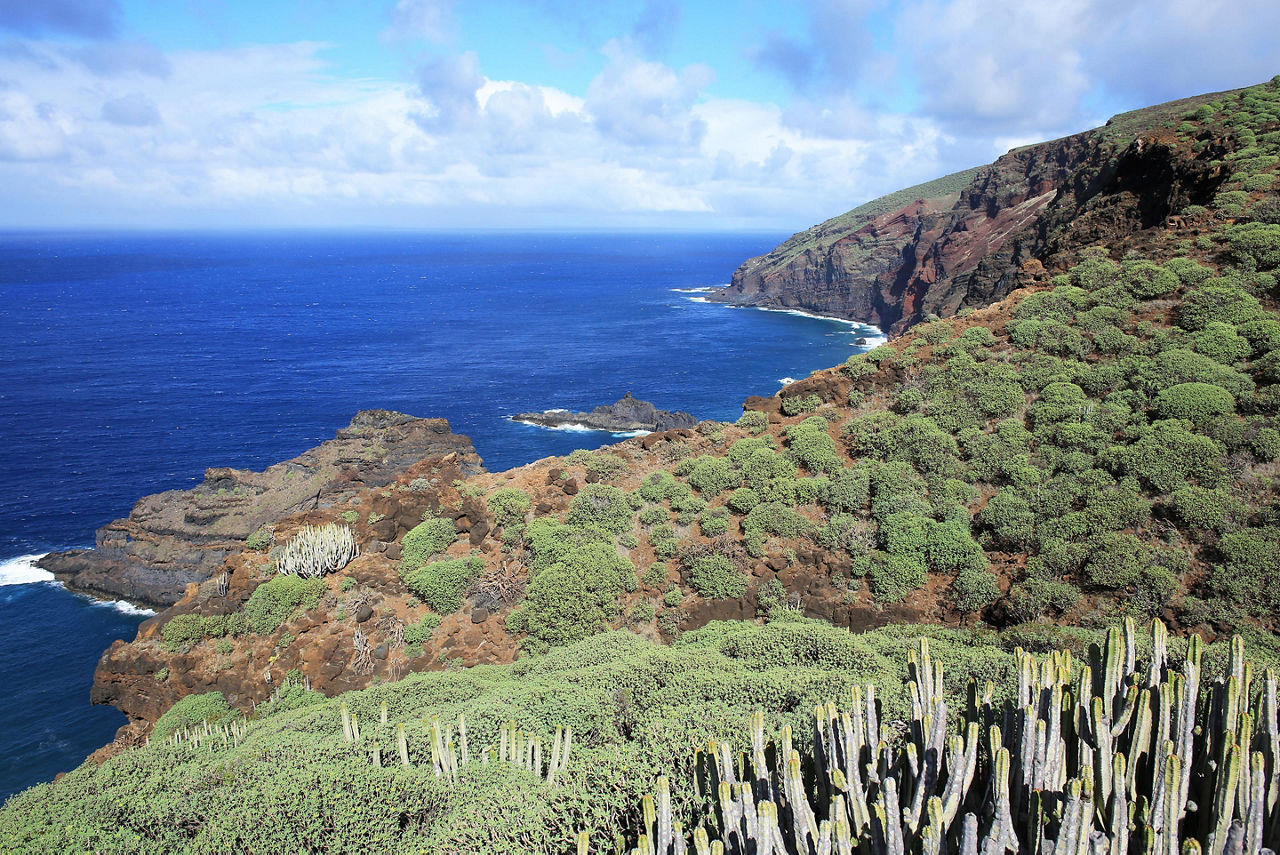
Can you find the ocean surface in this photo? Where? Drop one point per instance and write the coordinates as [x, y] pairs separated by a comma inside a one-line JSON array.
[[129, 363]]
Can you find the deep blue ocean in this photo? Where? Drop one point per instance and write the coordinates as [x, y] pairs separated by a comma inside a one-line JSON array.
[[129, 363]]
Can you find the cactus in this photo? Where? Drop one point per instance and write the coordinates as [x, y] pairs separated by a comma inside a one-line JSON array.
[[317, 551], [1086, 758]]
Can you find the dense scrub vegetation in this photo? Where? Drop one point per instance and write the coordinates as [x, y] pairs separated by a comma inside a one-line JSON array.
[[287, 778]]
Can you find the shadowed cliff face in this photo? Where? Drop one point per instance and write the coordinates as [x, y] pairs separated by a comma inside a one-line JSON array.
[[179, 537], [940, 252]]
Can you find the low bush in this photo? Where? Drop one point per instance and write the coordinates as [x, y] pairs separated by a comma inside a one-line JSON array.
[[443, 585], [190, 710], [430, 537], [602, 506], [272, 602], [714, 576]]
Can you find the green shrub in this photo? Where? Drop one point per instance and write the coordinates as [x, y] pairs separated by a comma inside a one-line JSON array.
[[711, 475], [1227, 303], [430, 537], [850, 490], [272, 602], [1221, 342], [793, 406], [753, 420], [714, 523], [811, 445], [772, 518], [653, 515], [809, 491], [673, 598], [1035, 596], [1146, 280], [601, 464], [1189, 273], [893, 577], [260, 540], [715, 577], [1266, 445], [602, 506], [1249, 573], [642, 612], [1170, 455], [572, 598], [654, 575], [1201, 508], [420, 632], [443, 585], [743, 500], [950, 548], [1197, 402], [1255, 244], [182, 631], [974, 590], [660, 486], [509, 506], [190, 710]]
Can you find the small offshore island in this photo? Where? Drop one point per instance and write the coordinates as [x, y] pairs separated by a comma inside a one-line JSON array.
[[628, 415]]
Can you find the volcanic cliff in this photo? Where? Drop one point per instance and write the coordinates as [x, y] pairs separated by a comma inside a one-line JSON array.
[[960, 240]]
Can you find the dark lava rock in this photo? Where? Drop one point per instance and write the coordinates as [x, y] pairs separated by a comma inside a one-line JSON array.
[[628, 414], [479, 615], [364, 613], [380, 652], [177, 537], [571, 487]]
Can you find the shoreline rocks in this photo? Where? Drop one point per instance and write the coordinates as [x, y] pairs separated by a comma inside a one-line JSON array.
[[627, 415], [175, 538]]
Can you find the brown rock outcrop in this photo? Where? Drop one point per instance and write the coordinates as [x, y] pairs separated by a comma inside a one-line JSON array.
[[961, 240], [175, 538]]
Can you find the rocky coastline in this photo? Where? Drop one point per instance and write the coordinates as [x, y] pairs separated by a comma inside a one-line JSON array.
[[626, 416], [181, 537]]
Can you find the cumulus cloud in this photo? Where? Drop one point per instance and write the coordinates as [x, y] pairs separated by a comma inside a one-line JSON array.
[[449, 86], [86, 18], [643, 103]]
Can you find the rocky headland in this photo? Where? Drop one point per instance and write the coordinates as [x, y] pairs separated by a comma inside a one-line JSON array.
[[627, 415], [964, 239], [179, 537]]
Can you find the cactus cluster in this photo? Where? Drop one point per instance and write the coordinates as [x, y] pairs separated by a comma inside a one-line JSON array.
[[210, 735], [1087, 758], [448, 754], [317, 551]]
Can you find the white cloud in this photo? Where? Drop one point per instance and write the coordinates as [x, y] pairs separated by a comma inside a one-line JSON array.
[[125, 133]]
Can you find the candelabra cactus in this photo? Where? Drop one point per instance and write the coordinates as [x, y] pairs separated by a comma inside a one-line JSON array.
[[317, 551], [1086, 758]]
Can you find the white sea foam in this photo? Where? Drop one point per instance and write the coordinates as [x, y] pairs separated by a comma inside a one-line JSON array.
[[873, 335], [787, 381], [627, 434], [122, 607], [22, 570]]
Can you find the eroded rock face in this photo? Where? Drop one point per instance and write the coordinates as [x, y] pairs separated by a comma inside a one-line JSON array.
[[940, 253], [628, 414], [175, 538]]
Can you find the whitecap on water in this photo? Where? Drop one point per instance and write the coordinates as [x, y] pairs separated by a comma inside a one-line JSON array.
[[22, 570], [787, 381]]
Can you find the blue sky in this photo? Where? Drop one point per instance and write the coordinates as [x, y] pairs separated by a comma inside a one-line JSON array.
[[558, 114]]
